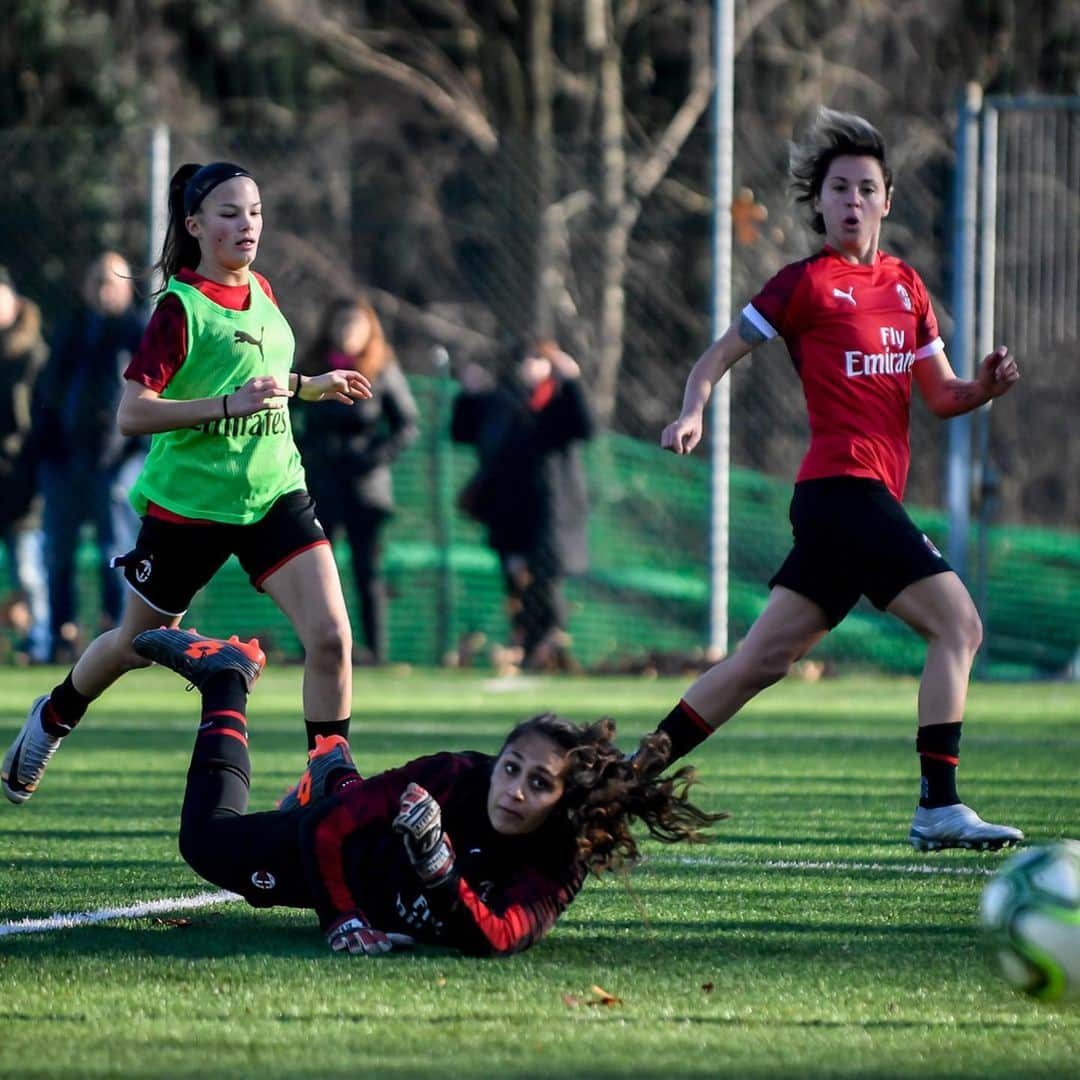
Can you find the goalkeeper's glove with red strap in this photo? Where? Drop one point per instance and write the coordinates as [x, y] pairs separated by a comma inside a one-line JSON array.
[[430, 851], [355, 933]]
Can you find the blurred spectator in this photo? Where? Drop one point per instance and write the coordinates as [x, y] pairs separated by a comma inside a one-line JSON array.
[[348, 451], [22, 354], [529, 488], [86, 463]]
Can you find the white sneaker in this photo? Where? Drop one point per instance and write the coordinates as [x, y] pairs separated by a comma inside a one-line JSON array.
[[958, 826], [25, 761]]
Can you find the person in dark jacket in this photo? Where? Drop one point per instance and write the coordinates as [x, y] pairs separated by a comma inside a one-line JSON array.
[[477, 852], [83, 454], [22, 353], [349, 451], [529, 487]]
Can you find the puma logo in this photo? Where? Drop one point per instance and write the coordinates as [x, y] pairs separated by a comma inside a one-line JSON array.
[[243, 337], [849, 295]]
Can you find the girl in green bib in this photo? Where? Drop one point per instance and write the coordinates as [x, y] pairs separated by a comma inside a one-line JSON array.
[[210, 383]]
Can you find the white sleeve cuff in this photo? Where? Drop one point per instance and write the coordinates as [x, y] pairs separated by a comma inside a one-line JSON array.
[[759, 322], [935, 346]]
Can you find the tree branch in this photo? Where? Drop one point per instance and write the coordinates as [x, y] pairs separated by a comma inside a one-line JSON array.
[[457, 105], [654, 168]]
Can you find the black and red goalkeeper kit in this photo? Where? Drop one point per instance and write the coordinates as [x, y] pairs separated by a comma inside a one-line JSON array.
[[341, 855]]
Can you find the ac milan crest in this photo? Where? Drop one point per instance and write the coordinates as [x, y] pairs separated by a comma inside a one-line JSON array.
[[263, 879]]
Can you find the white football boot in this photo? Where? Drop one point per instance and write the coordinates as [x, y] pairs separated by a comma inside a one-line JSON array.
[[958, 826], [25, 761]]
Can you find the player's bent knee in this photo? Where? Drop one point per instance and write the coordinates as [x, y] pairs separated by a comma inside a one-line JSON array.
[[199, 853], [970, 630], [190, 846], [963, 628], [329, 644]]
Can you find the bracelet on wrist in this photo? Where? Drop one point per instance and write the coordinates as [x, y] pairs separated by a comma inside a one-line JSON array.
[[225, 406]]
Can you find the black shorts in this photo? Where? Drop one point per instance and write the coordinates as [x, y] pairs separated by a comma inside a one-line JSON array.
[[171, 562], [852, 539]]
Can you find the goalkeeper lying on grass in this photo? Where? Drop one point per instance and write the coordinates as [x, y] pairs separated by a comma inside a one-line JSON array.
[[476, 852]]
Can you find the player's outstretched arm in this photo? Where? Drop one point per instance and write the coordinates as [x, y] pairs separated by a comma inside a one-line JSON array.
[[946, 394], [339, 385], [143, 411], [681, 436]]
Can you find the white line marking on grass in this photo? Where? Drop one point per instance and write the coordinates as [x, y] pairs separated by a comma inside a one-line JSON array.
[[191, 903], [806, 864], [134, 911]]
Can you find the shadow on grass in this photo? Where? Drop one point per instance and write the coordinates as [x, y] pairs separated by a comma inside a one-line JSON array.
[[63, 833], [669, 943], [59, 865]]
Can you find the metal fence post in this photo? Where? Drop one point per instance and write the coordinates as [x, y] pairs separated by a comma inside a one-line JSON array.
[[720, 406], [157, 200], [986, 485], [442, 502], [965, 213]]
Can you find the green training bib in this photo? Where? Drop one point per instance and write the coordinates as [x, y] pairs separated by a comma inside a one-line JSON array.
[[232, 470]]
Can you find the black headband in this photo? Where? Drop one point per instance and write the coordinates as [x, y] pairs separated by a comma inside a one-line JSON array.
[[205, 180]]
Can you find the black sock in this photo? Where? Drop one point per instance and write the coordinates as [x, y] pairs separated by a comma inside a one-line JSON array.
[[335, 727], [938, 747], [64, 709], [225, 692], [685, 729], [219, 777], [221, 742]]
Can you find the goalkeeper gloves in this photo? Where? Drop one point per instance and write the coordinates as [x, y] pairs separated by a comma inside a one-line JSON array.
[[419, 821], [353, 932]]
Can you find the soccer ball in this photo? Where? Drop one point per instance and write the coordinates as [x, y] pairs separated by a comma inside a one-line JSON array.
[[1030, 916]]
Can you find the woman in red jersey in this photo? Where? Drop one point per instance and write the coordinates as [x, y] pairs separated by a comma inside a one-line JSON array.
[[477, 852], [860, 329], [210, 381]]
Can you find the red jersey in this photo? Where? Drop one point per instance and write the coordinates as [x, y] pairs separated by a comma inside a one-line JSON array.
[[506, 892], [854, 333], [164, 342]]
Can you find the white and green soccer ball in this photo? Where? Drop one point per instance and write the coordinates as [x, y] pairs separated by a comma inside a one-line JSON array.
[[1030, 916]]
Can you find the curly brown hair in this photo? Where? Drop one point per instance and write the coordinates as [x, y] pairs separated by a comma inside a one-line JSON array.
[[605, 791]]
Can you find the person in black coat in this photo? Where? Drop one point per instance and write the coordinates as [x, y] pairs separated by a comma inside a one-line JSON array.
[[22, 353], [348, 452], [83, 456], [529, 487]]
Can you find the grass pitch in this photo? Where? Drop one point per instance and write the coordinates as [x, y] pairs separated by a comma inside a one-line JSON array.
[[806, 939]]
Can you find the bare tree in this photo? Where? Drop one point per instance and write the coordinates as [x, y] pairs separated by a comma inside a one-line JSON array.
[[425, 72]]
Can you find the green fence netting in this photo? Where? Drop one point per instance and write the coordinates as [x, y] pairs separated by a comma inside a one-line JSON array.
[[646, 592]]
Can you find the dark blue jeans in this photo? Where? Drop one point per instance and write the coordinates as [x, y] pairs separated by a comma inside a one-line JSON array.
[[77, 492]]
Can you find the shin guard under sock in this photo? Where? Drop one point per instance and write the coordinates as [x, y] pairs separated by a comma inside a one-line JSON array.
[[938, 747]]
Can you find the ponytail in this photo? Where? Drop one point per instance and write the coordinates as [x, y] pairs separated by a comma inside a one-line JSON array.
[[180, 249]]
